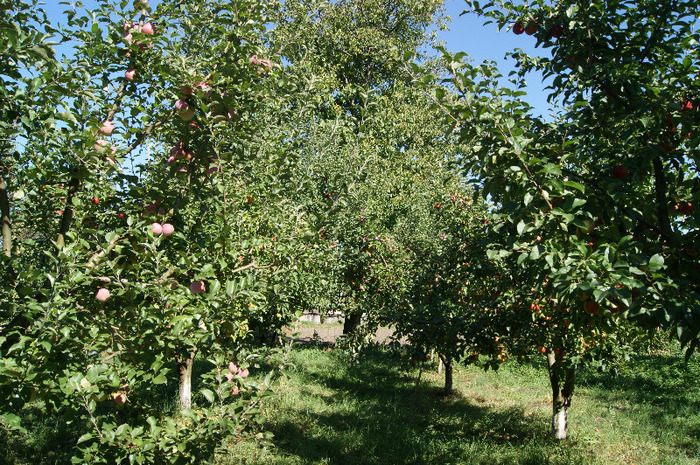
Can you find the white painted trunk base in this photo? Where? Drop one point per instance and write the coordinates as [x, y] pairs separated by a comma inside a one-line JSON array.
[[186, 391], [559, 423]]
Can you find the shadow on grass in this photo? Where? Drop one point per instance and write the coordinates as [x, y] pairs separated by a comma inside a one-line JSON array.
[[659, 389], [372, 413]]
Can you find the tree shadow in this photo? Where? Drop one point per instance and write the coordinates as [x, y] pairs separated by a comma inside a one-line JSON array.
[[376, 415]]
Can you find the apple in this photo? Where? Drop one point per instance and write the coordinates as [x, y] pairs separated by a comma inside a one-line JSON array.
[[518, 28], [687, 105], [95, 200], [531, 29], [156, 228], [129, 74], [206, 88], [591, 307], [186, 115], [181, 105], [119, 398], [102, 294], [556, 31], [168, 229], [148, 29], [619, 172], [150, 208], [106, 128], [686, 208], [197, 286], [243, 373]]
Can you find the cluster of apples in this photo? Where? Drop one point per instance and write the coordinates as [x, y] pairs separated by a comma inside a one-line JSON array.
[[531, 27]]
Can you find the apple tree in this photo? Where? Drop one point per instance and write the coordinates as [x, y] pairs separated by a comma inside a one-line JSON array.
[[596, 206], [145, 222]]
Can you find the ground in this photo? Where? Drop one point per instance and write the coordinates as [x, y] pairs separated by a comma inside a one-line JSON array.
[[327, 333]]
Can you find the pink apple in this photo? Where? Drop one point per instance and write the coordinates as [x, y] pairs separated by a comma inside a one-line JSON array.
[[119, 398], [100, 145], [229, 376], [107, 127], [181, 105], [102, 294], [156, 228], [168, 229], [148, 29], [129, 75], [197, 286], [235, 390], [243, 373], [232, 367]]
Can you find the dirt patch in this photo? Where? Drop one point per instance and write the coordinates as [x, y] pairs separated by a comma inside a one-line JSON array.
[[327, 334]]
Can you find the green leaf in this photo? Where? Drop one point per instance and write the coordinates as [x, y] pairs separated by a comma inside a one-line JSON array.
[[656, 262], [208, 395]]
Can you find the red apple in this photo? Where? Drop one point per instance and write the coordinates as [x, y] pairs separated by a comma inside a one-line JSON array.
[[687, 105], [95, 200], [686, 208], [129, 74], [168, 229], [591, 307], [531, 29], [197, 286], [556, 31], [102, 294], [518, 28], [156, 228], [619, 172]]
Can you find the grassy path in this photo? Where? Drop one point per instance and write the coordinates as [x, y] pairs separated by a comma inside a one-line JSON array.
[[335, 411]]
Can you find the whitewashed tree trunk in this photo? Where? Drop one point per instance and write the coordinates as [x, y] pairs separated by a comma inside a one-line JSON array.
[[561, 393], [184, 365], [559, 422]]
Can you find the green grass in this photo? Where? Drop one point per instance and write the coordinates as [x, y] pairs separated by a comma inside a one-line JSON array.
[[335, 411]]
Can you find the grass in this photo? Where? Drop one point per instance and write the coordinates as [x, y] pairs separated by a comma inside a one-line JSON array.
[[332, 410]]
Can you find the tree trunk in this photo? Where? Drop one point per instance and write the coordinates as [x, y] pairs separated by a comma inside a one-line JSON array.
[[561, 394], [447, 362], [6, 223], [352, 321], [439, 365], [184, 366]]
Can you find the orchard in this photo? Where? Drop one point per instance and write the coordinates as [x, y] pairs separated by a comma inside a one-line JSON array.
[[180, 181]]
